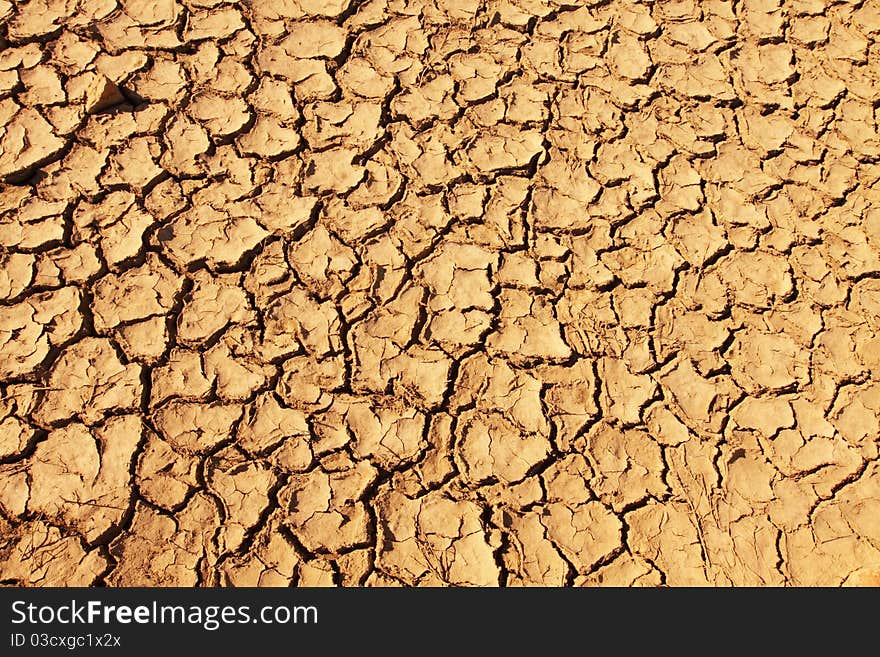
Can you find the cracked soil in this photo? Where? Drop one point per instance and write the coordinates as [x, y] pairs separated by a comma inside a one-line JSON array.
[[439, 292]]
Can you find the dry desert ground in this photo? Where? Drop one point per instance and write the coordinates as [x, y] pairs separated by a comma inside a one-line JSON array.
[[439, 292]]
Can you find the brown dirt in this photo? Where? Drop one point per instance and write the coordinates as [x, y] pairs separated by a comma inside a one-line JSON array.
[[475, 292]]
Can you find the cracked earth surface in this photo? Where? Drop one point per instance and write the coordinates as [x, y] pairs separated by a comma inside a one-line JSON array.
[[427, 292]]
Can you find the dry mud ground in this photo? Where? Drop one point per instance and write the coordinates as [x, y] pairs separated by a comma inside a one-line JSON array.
[[439, 292]]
